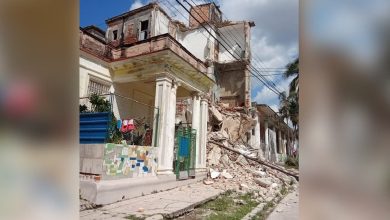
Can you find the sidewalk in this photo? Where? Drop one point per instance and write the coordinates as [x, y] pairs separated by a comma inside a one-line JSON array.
[[287, 209], [169, 203]]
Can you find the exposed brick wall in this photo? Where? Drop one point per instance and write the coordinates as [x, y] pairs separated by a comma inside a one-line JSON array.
[[201, 13], [92, 45], [231, 80], [130, 34], [204, 13]]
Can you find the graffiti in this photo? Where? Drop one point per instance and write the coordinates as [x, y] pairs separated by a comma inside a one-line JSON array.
[[129, 160]]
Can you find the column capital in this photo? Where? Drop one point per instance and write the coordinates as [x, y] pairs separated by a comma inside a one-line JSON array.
[[204, 97], [164, 77], [195, 94]]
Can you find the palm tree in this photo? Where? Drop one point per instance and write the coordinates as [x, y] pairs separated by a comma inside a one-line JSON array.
[[293, 70], [289, 105]]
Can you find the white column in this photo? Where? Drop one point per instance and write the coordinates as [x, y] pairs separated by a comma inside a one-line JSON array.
[[195, 122], [201, 155], [257, 132], [165, 100], [280, 144], [288, 144], [267, 150], [284, 144]]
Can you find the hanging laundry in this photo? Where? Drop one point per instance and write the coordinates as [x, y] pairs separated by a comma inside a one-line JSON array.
[[130, 125], [124, 126]]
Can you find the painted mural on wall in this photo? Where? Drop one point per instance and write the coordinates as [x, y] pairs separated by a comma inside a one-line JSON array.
[[129, 160]]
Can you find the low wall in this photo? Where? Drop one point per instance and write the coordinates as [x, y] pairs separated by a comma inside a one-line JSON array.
[[116, 161]]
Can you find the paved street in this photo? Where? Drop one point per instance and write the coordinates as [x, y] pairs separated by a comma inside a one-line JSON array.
[[287, 209], [170, 203]]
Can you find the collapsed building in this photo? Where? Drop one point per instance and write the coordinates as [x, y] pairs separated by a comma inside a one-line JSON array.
[[161, 78]]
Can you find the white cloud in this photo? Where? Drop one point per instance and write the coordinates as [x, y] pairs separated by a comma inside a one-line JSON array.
[[136, 4]]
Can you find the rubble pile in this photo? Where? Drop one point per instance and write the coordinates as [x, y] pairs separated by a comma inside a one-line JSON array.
[[233, 169]]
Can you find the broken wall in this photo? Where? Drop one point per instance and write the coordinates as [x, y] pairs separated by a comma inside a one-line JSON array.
[[129, 26], [236, 40], [233, 83], [92, 44], [204, 13], [195, 41]]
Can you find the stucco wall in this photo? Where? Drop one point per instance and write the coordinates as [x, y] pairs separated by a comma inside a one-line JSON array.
[[235, 40], [92, 69], [143, 92], [197, 43]]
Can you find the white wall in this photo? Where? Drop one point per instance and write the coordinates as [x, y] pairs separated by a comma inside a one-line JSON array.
[[161, 23], [198, 42], [90, 68], [233, 36]]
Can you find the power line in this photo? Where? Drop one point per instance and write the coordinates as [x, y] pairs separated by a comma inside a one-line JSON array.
[[256, 73], [272, 84]]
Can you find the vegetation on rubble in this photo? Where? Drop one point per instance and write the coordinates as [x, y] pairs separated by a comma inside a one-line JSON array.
[[292, 162], [267, 209], [227, 207], [133, 217]]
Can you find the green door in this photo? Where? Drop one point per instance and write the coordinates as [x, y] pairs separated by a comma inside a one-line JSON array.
[[185, 141]]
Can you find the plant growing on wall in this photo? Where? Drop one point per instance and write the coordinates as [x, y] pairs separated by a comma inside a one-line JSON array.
[[99, 104]]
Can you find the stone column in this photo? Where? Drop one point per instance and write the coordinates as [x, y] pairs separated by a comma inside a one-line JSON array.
[[195, 124], [165, 100], [257, 132], [280, 144], [288, 144], [284, 144], [267, 148], [201, 151]]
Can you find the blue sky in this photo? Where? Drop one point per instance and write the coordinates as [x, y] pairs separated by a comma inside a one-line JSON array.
[[97, 11], [274, 38]]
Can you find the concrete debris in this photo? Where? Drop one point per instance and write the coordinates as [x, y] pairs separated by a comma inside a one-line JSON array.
[[239, 202], [262, 182], [208, 182], [242, 161], [155, 217], [214, 174], [244, 187], [233, 163], [226, 175], [214, 156], [217, 115], [225, 160]]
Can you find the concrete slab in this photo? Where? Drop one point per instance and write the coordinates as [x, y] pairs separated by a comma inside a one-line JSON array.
[[287, 209], [171, 203], [109, 191]]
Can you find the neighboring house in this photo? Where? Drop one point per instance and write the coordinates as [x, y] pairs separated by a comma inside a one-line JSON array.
[[277, 138], [145, 55]]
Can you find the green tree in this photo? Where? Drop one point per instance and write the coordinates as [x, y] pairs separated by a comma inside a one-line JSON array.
[[293, 70], [289, 105]]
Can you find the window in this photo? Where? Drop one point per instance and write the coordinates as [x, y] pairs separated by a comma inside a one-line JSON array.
[[143, 34], [115, 33], [97, 88]]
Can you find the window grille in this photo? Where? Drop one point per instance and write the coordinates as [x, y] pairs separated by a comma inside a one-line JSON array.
[[97, 88]]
